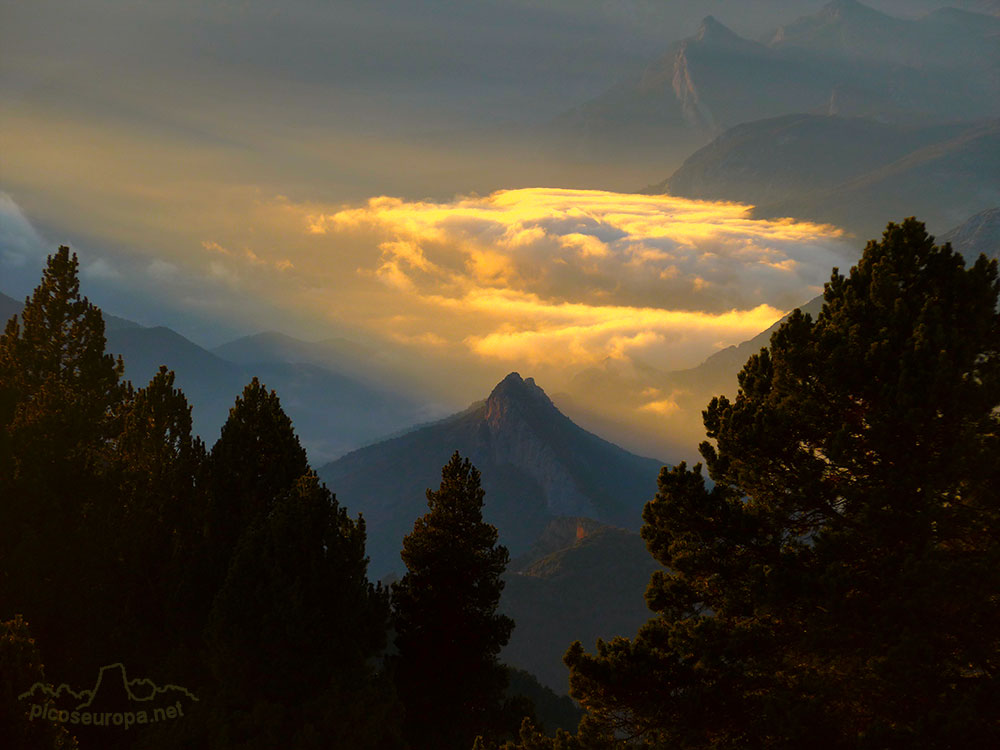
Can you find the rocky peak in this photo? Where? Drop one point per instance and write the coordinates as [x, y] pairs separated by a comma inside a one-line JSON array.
[[712, 32], [841, 8], [515, 392], [522, 428]]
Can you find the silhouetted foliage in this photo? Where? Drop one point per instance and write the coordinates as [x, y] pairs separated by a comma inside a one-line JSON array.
[[60, 407], [156, 525], [549, 710], [448, 630], [837, 587], [20, 668], [256, 458], [295, 628], [236, 575]]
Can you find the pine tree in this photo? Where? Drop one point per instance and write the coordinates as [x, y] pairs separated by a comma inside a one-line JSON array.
[[60, 406], [155, 530], [448, 630], [295, 629], [257, 458], [58, 393], [838, 585], [20, 668]]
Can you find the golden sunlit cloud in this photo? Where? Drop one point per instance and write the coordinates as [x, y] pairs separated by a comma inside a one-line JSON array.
[[571, 277], [663, 407]]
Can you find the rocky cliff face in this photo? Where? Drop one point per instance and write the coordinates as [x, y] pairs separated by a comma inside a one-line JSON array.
[[510, 438]]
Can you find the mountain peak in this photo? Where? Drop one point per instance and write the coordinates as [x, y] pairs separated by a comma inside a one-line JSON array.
[[710, 30], [839, 6], [514, 388], [838, 9], [536, 464]]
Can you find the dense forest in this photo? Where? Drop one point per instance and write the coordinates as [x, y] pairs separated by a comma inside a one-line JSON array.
[[835, 584]]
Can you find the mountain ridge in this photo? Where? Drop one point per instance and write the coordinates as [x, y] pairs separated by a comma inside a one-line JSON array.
[[855, 173], [536, 464], [846, 59], [978, 234], [333, 412]]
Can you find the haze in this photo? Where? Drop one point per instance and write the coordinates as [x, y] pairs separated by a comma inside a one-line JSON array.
[[383, 172]]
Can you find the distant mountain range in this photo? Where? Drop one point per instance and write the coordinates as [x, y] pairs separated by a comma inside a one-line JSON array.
[[10, 307], [941, 184], [778, 158], [375, 367], [536, 465], [332, 412], [852, 172], [847, 59], [945, 39]]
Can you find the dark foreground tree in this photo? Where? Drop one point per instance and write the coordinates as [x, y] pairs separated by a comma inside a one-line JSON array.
[[61, 401], [839, 586], [448, 630], [20, 668], [153, 528], [295, 630], [257, 457], [238, 577]]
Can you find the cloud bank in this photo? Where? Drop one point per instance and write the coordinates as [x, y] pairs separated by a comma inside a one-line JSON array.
[[571, 277]]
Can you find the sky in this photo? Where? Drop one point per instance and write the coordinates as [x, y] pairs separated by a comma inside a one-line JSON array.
[[369, 171]]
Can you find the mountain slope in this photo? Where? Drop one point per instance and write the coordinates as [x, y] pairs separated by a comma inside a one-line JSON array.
[[717, 374], [848, 28], [663, 408], [332, 413], [699, 87], [940, 183], [351, 358], [852, 172], [591, 587], [10, 306], [535, 464], [780, 158], [210, 384], [948, 38], [979, 234]]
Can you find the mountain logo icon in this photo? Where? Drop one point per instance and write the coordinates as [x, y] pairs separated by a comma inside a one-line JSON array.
[[114, 701]]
